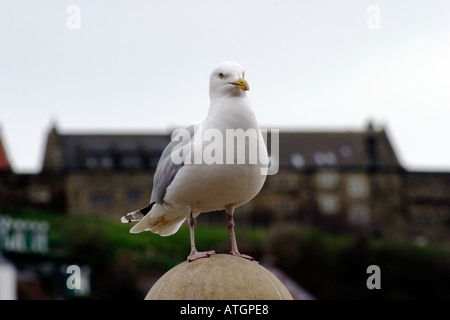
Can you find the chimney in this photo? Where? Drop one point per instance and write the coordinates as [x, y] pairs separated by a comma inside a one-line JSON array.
[[370, 142]]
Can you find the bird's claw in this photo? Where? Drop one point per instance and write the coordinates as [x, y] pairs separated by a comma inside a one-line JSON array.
[[237, 254], [197, 255]]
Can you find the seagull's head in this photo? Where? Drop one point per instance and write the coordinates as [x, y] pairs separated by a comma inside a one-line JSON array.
[[228, 79]]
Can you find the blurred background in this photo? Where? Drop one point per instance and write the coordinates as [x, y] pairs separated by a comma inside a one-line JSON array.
[[90, 93]]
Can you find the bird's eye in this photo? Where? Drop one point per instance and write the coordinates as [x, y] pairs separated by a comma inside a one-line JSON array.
[[221, 76]]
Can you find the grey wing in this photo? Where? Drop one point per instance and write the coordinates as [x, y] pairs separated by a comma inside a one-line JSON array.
[[167, 169]]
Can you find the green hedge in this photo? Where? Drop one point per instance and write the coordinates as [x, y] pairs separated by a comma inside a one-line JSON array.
[[334, 267], [329, 266]]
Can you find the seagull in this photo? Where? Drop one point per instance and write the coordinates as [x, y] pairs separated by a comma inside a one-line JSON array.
[[187, 183]]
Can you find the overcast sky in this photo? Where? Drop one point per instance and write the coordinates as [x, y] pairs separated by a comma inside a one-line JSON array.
[[143, 66]]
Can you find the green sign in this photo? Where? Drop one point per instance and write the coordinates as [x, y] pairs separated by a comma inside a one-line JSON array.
[[23, 236]]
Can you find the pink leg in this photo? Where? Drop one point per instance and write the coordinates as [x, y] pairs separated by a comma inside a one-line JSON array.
[[234, 248], [194, 255]]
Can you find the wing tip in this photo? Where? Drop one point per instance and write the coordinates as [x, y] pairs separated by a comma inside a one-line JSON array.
[[124, 219]]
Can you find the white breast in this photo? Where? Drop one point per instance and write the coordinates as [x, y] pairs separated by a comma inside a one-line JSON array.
[[208, 187]]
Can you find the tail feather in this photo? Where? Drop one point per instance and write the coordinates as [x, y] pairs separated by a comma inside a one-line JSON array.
[[137, 215], [160, 221]]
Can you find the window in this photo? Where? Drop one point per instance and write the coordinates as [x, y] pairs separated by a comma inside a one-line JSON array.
[[346, 151], [99, 161], [101, 198], [359, 214], [357, 186], [107, 162], [91, 162], [297, 160], [133, 195], [328, 203], [286, 181], [327, 179], [327, 158], [131, 162], [285, 206], [39, 194]]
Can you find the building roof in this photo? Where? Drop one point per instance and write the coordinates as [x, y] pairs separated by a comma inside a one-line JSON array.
[[298, 150], [4, 163], [343, 149], [72, 152]]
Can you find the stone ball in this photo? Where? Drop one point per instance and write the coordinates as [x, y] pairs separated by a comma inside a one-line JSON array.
[[219, 277]]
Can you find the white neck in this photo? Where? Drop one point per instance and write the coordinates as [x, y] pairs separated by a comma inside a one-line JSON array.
[[231, 112]]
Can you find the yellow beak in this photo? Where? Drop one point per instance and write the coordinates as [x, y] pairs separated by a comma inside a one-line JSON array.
[[241, 84]]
